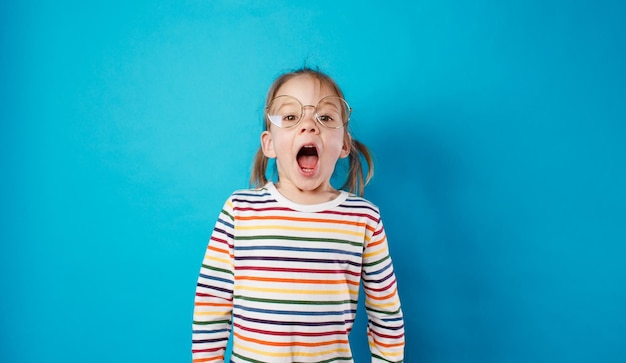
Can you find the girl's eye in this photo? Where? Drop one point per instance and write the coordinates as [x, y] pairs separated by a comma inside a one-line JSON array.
[[290, 118], [325, 118]]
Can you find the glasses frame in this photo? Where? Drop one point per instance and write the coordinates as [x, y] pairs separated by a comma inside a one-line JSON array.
[[316, 116]]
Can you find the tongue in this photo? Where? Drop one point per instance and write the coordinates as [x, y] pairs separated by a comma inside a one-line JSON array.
[[307, 161]]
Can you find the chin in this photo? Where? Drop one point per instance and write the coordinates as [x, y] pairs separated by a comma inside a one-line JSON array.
[[311, 185]]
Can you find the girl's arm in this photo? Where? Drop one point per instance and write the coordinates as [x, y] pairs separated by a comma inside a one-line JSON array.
[[385, 329], [214, 293]]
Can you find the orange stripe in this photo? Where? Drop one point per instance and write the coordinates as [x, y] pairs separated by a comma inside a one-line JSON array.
[[382, 297], [213, 248], [290, 344], [212, 304], [375, 243], [378, 343], [296, 219], [199, 360]]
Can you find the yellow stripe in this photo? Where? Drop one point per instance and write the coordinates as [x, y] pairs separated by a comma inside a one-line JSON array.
[[290, 354], [387, 353], [214, 313], [374, 253], [394, 304], [221, 260]]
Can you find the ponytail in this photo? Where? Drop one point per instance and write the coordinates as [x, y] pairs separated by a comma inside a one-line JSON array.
[[356, 181], [259, 168]]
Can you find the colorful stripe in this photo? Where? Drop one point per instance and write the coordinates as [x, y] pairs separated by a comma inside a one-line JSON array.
[[286, 282]]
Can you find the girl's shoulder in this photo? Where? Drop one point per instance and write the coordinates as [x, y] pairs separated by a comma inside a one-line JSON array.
[[246, 199], [252, 192], [356, 201], [249, 195]]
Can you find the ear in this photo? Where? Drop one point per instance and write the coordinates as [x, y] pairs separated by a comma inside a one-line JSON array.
[[347, 146], [267, 145]]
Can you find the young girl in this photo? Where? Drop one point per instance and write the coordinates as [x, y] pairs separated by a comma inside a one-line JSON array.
[[284, 263]]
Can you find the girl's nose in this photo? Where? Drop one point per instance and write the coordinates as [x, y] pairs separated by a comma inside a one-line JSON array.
[[309, 124]]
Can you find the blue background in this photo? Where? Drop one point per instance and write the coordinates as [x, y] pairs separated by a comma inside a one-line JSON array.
[[498, 130]]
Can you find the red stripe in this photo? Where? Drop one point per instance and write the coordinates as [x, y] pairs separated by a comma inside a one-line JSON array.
[[289, 333]]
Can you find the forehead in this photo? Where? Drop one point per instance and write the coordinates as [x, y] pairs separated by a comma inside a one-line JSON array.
[[306, 88]]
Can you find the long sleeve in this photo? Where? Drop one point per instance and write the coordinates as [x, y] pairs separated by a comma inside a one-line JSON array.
[[385, 329], [214, 293]]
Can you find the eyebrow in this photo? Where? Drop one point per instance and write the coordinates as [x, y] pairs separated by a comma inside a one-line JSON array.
[[302, 103]]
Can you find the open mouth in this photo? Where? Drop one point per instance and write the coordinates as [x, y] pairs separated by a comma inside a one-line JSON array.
[[307, 158]]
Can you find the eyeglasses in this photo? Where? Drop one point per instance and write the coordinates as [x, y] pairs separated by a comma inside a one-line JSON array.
[[287, 112]]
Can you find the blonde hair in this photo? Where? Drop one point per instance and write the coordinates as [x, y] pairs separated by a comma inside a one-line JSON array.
[[357, 177]]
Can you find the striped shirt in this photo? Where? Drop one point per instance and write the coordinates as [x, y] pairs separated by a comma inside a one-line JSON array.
[[285, 277]]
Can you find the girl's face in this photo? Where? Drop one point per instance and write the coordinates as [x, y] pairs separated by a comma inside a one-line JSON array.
[[307, 153]]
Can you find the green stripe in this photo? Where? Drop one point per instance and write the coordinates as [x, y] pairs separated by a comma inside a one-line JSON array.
[[386, 360], [322, 361], [383, 312], [376, 262], [331, 360], [246, 358], [228, 214], [218, 269]]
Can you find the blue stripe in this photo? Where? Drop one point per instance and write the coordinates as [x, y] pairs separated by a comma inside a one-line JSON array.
[[254, 201], [379, 271], [252, 194], [364, 206], [211, 331], [217, 279], [219, 230], [227, 224], [380, 280], [386, 327], [200, 341], [216, 288]]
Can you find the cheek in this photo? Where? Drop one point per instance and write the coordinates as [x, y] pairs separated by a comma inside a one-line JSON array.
[[337, 142], [281, 146]]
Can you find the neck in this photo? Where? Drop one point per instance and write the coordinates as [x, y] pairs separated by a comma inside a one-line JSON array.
[[319, 195]]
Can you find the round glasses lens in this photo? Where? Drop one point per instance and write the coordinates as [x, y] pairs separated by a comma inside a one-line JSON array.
[[333, 112], [284, 111]]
